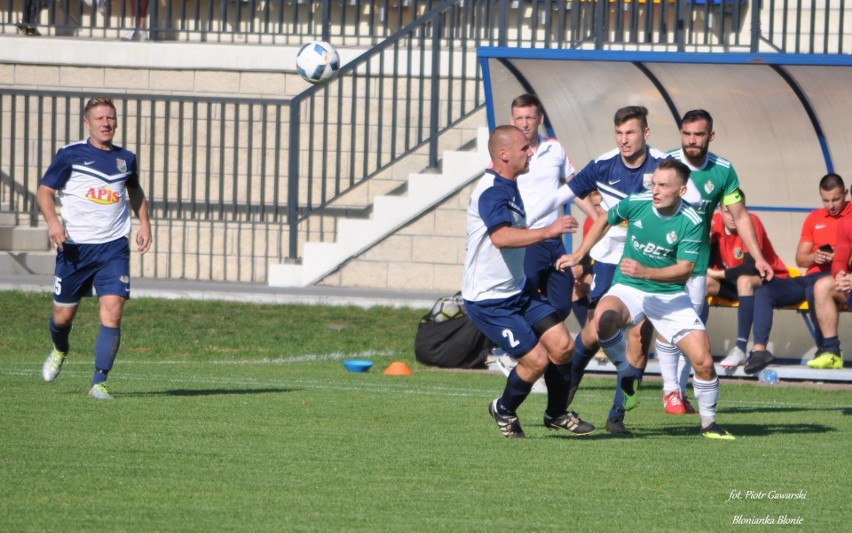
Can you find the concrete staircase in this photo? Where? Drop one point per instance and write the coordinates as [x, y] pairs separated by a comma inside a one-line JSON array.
[[24, 249], [390, 213]]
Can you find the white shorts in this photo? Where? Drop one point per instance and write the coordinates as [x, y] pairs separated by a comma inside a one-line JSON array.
[[672, 315], [696, 288]]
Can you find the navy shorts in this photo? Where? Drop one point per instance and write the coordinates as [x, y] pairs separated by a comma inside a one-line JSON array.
[[542, 276], [601, 281], [509, 322], [80, 267]]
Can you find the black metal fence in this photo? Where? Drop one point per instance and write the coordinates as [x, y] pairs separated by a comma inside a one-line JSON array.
[[204, 158], [396, 98], [230, 21], [245, 175], [793, 26], [212, 169]]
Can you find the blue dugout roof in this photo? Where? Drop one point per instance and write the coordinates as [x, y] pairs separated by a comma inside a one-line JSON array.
[[783, 120]]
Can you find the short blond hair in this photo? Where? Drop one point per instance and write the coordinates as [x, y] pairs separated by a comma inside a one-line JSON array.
[[96, 102]]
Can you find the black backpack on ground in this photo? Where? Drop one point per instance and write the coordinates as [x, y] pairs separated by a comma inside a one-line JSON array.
[[446, 338]]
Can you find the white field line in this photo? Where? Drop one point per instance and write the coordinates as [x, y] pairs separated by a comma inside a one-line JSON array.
[[307, 358], [393, 385]]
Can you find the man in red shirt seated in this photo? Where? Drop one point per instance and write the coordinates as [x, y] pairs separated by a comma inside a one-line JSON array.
[[831, 291], [733, 276], [814, 253]]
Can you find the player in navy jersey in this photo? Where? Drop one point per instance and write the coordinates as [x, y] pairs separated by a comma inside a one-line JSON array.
[[550, 167], [615, 174], [498, 299], [664, 240], [98, 185]]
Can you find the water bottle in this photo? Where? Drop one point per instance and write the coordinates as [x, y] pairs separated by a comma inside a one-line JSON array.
[[768, 376]]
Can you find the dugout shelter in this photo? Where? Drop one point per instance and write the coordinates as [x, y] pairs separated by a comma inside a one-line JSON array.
[[782, 120]]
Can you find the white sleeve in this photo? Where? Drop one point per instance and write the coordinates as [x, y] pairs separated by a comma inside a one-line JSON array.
[[549, 204]]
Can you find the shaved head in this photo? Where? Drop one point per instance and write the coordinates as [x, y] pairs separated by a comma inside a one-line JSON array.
[[510, 151], [501, 138]]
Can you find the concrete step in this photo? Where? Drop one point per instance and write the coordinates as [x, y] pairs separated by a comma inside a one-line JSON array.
[[8, 219], [23, 239], [354, 236], [33, 263]]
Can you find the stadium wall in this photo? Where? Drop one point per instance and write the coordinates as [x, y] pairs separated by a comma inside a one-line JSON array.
[[426, 254], [431, 247]]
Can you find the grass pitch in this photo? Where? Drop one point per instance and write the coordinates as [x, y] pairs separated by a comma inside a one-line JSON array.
[[240, 417]]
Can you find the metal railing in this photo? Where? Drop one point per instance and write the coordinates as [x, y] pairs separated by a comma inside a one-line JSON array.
[[228, 21], [252, 171], [791, 26], [806, 26], [392, 100], [212, 169], [201, 157]]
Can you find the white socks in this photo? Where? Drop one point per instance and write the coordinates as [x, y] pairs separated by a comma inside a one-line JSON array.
[[674, 367], [615, 348], [684, 368], [706, 395], [668, 356]]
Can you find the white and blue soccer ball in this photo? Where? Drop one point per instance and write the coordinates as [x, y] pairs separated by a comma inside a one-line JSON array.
[[317, 61]]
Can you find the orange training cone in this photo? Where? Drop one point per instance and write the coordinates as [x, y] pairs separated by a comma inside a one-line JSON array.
[[398, 368]]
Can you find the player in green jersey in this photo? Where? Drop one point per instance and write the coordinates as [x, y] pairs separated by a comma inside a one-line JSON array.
[[713, 182], [664, 239]]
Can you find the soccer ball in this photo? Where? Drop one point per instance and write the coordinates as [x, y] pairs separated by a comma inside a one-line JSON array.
[[317, 61], [447, 308]]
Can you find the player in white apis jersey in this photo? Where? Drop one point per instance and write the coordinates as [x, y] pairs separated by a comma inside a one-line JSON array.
[[664, 240], [497, 298], [96, 181]]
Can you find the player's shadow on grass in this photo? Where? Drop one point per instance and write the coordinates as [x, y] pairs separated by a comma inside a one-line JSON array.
[[766, 409], [737, 430], [598, 435], [209, 392], [598, 385], [762, 430]]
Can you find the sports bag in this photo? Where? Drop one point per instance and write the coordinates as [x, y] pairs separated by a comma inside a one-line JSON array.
[[446, 338]]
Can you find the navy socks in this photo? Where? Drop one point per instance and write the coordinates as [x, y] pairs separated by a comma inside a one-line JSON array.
[[514, 394], [580, 360], [745, 317], [106, 348], [557, 378], [629, 382], [59, 336]]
